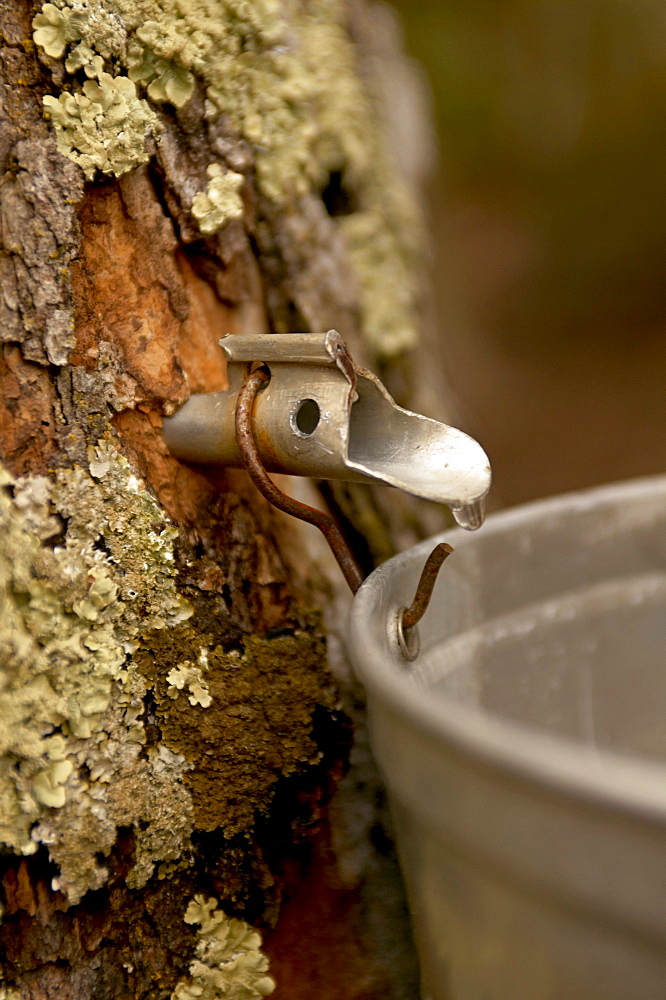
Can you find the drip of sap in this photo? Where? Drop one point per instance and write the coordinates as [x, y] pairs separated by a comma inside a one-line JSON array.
[[471, 516]]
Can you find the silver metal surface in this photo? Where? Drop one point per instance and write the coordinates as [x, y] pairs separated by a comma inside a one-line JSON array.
[[407, 638], [525, 750], [323, 416]]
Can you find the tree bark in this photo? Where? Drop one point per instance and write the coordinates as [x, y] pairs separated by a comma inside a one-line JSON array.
[[172, 729]]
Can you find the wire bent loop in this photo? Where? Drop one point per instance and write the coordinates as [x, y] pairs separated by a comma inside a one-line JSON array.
[[415, 612], [252, 461]]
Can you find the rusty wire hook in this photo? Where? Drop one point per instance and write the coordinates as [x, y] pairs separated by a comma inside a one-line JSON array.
[[252, 461], [407, 617]]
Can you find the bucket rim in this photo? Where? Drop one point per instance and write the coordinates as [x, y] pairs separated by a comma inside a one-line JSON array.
[[595, 775]]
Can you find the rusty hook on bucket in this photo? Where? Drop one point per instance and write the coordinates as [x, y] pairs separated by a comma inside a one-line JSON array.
[[408, 618]]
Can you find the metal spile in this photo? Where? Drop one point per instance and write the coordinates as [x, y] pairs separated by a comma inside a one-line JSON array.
[[308, 410], [323, 416]]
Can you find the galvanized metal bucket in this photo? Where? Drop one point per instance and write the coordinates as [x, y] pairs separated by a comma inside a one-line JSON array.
[[525, 748]]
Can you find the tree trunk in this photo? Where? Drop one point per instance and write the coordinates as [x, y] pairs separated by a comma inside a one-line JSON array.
[[172, 729]]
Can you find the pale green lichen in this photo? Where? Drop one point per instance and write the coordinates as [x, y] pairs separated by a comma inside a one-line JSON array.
[[86, 567], [53, 29], [92, 22], [229, 963], [79, 57], [119, 783], [187, 674], [48, 787], [292, 89], [387, 319], [105, 127], [221, 200], [285, 78], [164, 79], [290, 86]]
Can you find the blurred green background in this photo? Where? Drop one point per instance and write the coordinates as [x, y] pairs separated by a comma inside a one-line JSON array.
[[550, 222]]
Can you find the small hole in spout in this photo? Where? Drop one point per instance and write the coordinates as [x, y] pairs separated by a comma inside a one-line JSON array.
[[306, 418]]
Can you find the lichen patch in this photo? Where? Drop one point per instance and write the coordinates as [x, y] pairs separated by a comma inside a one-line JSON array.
[[93, 25], [105, 127], [164, 80], [229, 961], [285, 81], [86, 567], [220, 202], [188, 676]]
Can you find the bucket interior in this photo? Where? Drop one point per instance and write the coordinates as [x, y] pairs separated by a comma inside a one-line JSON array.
[[553, 617], [589, 665]]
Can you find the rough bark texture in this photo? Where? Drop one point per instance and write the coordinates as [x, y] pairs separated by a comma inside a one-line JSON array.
[[170, 725]]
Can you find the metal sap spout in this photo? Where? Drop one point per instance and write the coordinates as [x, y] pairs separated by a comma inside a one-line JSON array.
[[323, 416]]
